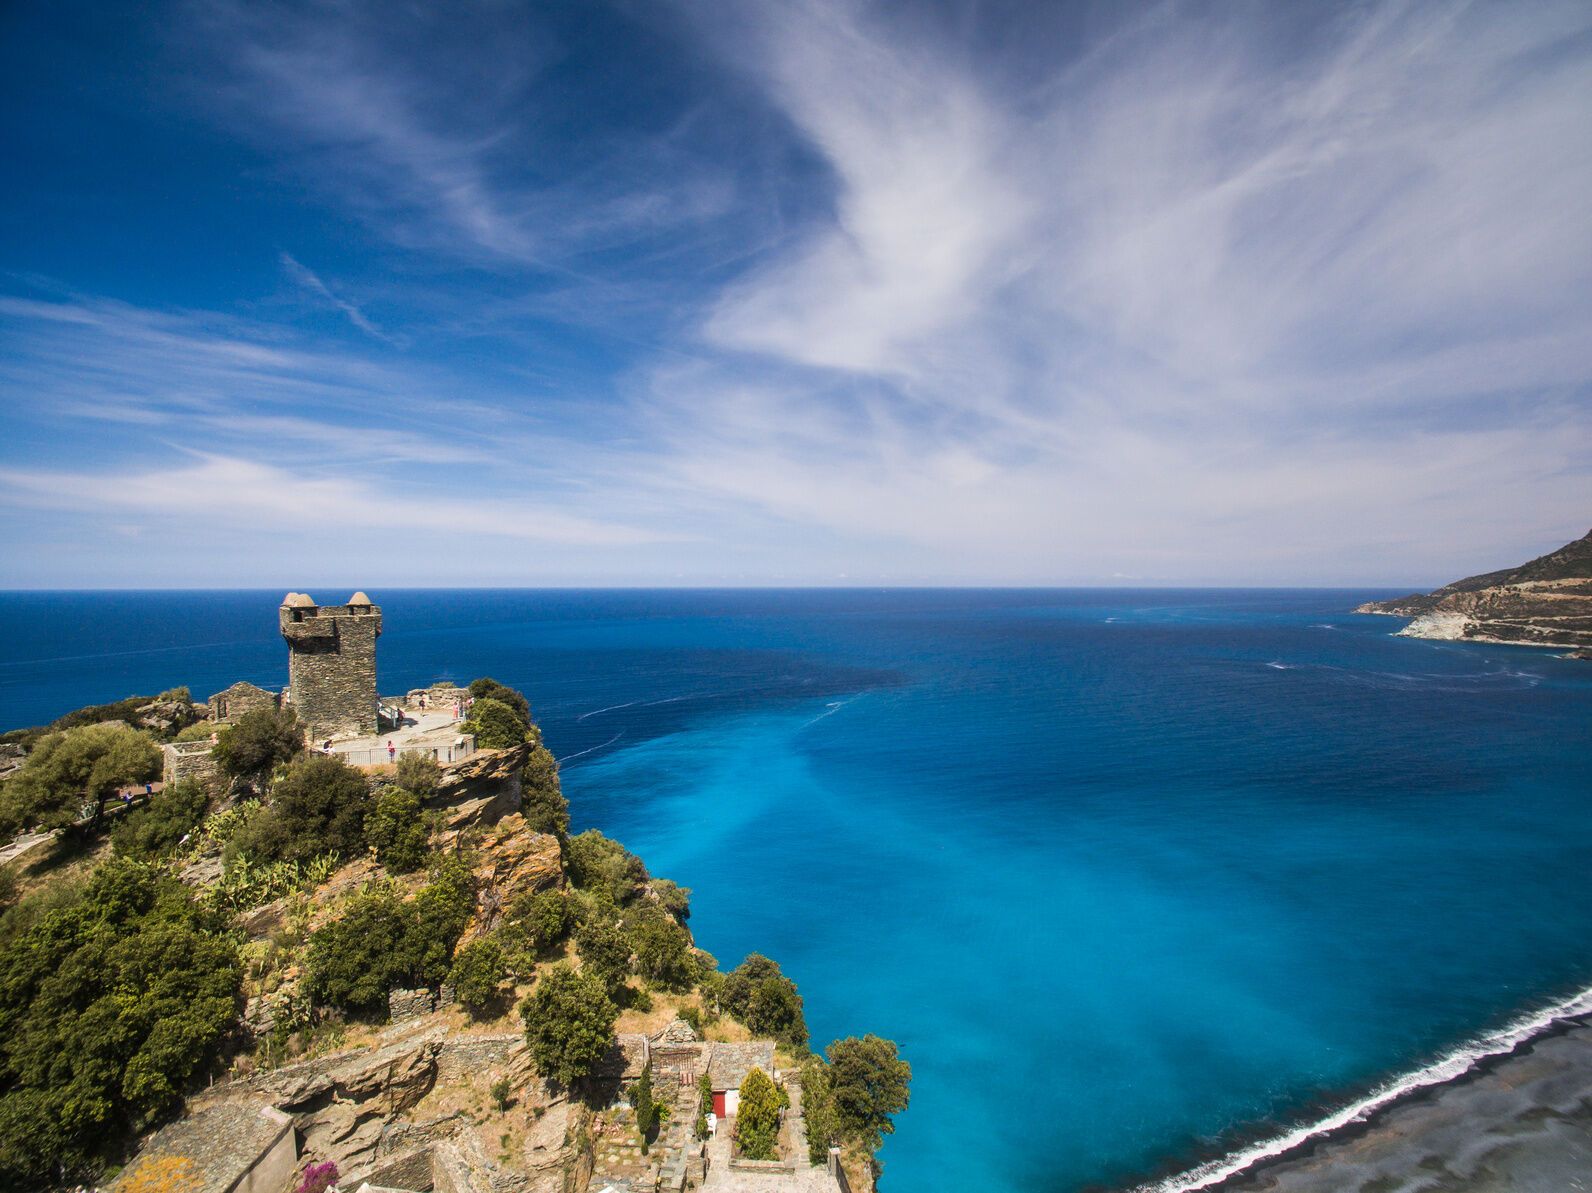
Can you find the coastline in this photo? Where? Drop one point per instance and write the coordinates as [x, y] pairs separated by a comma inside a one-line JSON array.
[[1534, 1072]]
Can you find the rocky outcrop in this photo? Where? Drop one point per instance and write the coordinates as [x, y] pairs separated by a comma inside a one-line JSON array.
[[1547, 602], [514, 860], [483, 787]]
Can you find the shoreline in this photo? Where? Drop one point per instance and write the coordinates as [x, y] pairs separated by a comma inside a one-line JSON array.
[[1296, 1157]]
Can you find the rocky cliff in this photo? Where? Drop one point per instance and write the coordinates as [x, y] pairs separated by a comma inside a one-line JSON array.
[[1546, 602]]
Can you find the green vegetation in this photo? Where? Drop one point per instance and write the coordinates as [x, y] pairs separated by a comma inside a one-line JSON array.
[[74, 772], [109, 1003], [704, 1104], [419, 774], [501, 1092], [757, 1120], [478, 975], [179, 713], [854, 1097], [764, 999], [495, 725], [532, 926], [673, 898], [317, 805], [489, 689], [542, 800], [604, 866], [662, 948], [259, 742], [649, 1111], [381, 943], [604, 950], [157, 828], [397, 830], [569, 1024]]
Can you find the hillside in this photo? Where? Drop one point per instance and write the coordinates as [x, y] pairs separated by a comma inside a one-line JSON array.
[[1546, 602]]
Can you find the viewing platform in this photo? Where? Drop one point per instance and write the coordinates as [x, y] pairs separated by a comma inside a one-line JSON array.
[[433, 733]]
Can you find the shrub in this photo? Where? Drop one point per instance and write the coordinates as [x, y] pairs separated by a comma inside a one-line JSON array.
[[704, 1104], [317, 806], [198, 731], [764, 999], [662, 948], [78, 766], [443, 910], [569, 1024], [604, 951], [542, 801], [673, 898], [818, 1108], [318, 1178], [649, 1111], [258, 742], [604, 866], [870, 1083], [490, 689], [397, 830], [495, 725], [355, 960], [501, 1093], [419, 773], [478, 975], [159, 826], [532, 926], [757, 1120], [81, 1061]]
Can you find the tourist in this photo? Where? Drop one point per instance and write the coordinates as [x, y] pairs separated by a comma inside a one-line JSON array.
[[392, 752]]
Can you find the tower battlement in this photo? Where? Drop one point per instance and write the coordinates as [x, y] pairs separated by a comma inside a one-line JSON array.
[[332, 663]]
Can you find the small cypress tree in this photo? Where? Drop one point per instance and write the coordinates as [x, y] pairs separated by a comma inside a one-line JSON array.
[[648, 1109], [757, 1120]]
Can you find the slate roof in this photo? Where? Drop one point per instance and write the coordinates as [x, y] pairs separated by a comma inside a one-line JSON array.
[[731, 1063], [209, 1150]]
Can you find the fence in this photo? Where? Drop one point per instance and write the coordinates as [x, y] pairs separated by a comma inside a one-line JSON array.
[[444, 752]]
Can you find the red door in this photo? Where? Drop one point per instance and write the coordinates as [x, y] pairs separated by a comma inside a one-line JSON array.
[[718, 1102]]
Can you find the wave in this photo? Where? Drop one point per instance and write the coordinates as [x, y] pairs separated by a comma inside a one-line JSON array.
[[1425, 681], [646, 704], [830, 710], [592, 749], [1447, 1068]]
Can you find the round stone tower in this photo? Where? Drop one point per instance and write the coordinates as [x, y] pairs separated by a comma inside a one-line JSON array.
[[331, 663]]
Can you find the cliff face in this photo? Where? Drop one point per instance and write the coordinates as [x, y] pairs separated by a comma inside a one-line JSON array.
[[1547, 602]]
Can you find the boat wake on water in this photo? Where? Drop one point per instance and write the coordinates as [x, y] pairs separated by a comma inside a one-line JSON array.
[[1447, 1068]]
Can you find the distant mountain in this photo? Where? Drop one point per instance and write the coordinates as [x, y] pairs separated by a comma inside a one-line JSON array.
[[1547, 602]]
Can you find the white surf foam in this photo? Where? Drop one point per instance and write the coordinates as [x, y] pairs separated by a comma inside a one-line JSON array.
[[591, 750], [1457, 1063]]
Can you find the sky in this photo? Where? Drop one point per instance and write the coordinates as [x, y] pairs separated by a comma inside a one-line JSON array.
[[794, 292]]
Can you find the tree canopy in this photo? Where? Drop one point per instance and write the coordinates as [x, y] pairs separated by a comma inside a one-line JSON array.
[[77, 767], [764, 999], [397, 830], [757, 1120], [317, 806], [495, 725], [569, 1024], [604, 866], [870, 1083], [489, 689], [542, 799], [158, 827], [109, 1004], [258, 742]]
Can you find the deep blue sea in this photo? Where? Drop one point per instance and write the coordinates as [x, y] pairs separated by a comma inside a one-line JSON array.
[[1132, 876]]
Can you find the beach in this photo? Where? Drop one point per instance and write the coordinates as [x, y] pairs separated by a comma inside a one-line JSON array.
[[1519, 1121]]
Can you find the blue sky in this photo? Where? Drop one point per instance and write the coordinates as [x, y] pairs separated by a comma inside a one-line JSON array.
[[806, 292]]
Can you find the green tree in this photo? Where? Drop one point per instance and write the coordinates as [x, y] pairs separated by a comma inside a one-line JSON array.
[[418, 773], [757, 1119], [870, 1084], [258, 742], [764, 999], [158, 827], [569, 1024], [478, 975], [649, 1111], [78, 767], [604, 951], [398, 830], [600, 864], [704, 1103], [673, 898], [355, 960], [542, 799], [662, 948], [494, 725], [317, 806], [109, 1003], [443, 910], [532, 926], [818, 1109], [489, 689]]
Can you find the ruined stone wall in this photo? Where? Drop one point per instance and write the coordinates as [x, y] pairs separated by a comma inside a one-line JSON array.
[[188, 760], [332, 667]]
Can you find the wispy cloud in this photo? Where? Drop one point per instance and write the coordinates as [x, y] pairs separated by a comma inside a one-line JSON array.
[[312, 282]]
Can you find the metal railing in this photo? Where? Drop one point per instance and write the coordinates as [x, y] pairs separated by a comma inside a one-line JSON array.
[[443, 752]]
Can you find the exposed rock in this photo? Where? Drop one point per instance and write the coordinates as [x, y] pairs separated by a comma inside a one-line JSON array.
[[515, 860], [487, 781], [1547, 602], [165, 717], [12, 756]]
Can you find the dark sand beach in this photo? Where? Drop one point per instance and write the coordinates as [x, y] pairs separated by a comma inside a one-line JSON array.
[[1520, 1122]]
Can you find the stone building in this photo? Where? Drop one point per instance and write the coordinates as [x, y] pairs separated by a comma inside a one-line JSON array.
[[240, 698], [332, 663]]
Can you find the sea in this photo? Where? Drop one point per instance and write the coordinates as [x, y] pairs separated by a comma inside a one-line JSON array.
[[1136, 879]]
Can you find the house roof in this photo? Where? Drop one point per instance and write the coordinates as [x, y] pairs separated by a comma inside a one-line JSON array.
[[625, 1058], [731, 1063], [209, 1150], [244, 687]]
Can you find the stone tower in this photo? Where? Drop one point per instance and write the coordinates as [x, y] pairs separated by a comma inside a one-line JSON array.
[[331, 663]]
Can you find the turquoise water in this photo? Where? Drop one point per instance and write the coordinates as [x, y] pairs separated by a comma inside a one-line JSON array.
[[1133, 877]]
